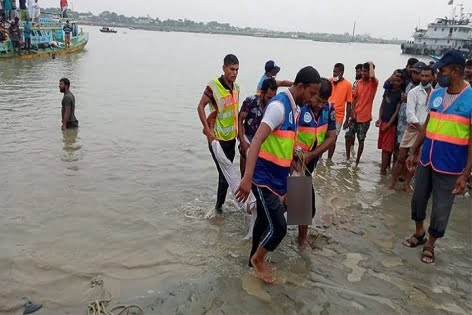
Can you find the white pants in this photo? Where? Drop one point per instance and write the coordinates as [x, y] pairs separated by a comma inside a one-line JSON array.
[[234, 179]]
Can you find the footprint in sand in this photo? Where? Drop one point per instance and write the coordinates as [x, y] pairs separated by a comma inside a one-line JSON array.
[[352, 261]]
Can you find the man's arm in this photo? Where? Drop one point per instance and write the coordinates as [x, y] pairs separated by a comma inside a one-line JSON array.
[[261, 135], [395, 115], [420, 139], [241, 118], [372, 71], [411, 102], [461, 182], [380, 111], [322, 148], [203, 119], [67, 106], [284, 83]]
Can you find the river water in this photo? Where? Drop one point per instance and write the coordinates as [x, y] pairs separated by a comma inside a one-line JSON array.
[[124, 199]]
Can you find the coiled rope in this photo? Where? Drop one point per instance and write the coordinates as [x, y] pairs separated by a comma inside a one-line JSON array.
[[100, 306]]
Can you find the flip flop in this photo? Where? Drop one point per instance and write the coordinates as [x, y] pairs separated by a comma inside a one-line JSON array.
[[415, 241], [428, 253]]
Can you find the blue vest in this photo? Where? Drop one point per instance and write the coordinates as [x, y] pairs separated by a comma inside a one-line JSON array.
[[266, 173], [445, 147]]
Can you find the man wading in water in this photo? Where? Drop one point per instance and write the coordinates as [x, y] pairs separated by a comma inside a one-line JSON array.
[[223, 96], [268, 166], [69, 121]]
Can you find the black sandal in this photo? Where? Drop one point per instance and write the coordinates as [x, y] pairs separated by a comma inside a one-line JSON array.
[[428, 253], [415, 241]]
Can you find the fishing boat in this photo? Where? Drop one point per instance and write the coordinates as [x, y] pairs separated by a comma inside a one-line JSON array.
[[47, 40], [445, 33], [107, 30]]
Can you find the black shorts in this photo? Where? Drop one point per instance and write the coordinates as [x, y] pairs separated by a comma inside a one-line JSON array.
[[358, 128]]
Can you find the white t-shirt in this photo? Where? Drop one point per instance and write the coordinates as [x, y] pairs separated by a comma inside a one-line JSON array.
[[275, 112]]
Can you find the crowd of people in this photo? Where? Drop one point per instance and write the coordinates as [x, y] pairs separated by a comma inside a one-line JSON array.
[[424, 123]]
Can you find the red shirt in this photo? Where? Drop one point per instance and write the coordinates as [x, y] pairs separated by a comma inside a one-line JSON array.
[[365, 93], [63, 3]]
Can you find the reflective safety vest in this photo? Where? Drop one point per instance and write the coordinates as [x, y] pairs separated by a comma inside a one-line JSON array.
[[227, 106], [276, 154], [445, 147], [312, 130]]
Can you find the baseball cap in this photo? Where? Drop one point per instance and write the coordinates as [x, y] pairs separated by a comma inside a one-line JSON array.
[[450, 57], [270, 66], [419, 66]]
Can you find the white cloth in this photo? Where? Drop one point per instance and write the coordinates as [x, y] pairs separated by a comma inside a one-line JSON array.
[[417, 108], [36, 10], [30, 8], [234, 179]]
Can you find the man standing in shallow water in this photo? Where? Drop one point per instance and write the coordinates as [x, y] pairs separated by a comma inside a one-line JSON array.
[[69, 121], [223, 96], [268, 166]]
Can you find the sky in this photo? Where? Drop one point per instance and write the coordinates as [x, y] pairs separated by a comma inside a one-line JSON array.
[[379, 18]]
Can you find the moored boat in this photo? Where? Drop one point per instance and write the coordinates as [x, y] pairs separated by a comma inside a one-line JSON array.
[[47, 40]]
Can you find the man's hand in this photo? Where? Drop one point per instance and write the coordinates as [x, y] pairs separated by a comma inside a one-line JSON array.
[[244, 147], [411, 162], [384, 127], [244, 189], [461, 184], [377, 123], [210, 136]]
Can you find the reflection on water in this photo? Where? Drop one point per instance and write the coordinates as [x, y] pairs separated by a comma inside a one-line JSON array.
[[71, 145]]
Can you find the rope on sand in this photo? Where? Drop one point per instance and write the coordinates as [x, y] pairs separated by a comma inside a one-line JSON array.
[[100, 306]]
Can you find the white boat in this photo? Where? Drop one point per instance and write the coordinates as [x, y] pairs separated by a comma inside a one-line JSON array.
[[444, 33]]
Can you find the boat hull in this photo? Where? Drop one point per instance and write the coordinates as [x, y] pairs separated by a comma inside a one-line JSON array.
[[78, 44]]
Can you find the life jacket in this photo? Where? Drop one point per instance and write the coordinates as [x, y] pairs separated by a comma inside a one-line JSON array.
[[276, 154], [312, 130], [227, 106], [445, 147]]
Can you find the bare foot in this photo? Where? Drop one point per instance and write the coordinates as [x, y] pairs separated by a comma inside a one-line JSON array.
[[407, 188], [262, 271], [270, 266]]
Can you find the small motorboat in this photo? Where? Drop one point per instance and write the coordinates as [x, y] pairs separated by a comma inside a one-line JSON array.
[[107, 30]]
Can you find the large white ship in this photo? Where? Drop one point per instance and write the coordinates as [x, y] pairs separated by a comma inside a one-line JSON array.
[[445, 33]]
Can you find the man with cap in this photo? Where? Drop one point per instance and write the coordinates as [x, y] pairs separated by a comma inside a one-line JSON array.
[[445, 162], [268, 166], [271, 71]]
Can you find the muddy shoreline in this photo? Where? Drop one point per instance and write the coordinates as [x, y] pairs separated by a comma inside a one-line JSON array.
[[357, 265]]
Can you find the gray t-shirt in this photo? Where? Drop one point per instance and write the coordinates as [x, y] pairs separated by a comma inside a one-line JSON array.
[[69, 101]]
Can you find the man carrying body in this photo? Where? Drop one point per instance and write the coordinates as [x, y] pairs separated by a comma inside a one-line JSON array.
[[223, 96], [316, 133], [417, 110], [250, 117], [446, 153], [69, 121], [361, 113], [268, 166], [341, 98], [271, 71]]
